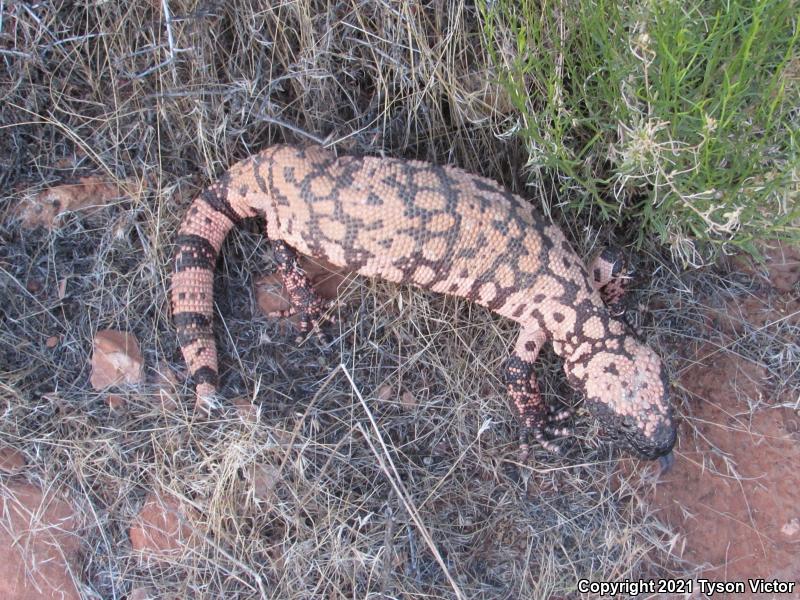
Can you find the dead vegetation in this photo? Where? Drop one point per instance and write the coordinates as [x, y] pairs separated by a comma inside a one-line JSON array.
[[382, 468]]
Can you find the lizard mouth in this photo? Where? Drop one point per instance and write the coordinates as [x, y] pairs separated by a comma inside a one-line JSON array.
[[661, 451], [658, 447]]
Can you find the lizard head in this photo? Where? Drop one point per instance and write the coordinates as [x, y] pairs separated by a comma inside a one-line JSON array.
[[626, 390]]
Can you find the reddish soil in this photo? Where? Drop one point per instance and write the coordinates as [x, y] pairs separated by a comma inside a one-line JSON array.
[[732, 493], [38, 545]]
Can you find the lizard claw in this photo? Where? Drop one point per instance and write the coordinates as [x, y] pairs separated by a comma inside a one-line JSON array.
[[316, 316], [323, 338], [312, 319], [546, 434], [282, 314]]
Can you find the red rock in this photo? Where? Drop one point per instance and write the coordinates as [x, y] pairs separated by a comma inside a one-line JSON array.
[[116, 402], [385, 392], [45, 208], [326, 278], [408, 401], [162, 529], [38, 548], [11, 461], [116, 359], [52, 341], [264, 478], [271, 295]]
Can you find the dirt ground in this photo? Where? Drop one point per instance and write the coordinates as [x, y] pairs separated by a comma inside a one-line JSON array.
[[726, 511], [385, 466], [731, 496]]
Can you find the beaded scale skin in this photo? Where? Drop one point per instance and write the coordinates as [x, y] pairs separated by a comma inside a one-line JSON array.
[[442, 229]]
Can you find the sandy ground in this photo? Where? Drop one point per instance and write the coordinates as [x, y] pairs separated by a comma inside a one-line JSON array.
[[732, 493]]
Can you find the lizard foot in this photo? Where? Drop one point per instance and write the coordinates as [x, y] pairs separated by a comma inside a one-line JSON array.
[[545, 434], [313, 311], [610, 276]]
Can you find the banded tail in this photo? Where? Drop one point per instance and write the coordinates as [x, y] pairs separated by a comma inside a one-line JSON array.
[[209, 219]]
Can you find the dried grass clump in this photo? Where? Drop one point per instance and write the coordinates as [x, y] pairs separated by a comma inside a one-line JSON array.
[[415, 494]]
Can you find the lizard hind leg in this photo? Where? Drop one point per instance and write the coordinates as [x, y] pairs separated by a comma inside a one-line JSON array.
[[306, 301], [609, 275], [537, 422]]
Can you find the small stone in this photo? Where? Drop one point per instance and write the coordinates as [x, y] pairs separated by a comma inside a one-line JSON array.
[[264, 478], [385, 392], [326, 278], [11, 460], [52, 341], [791, 528], [116, 402], [162, 529], [271, 295], [408, 401], [116, 359], [141, 593]]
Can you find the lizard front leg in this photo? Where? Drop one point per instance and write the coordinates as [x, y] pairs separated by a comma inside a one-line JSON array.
[[527, 403], [609, 275], [305, 300]]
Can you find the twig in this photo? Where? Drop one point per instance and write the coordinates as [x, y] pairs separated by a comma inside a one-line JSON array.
[[387, 465]]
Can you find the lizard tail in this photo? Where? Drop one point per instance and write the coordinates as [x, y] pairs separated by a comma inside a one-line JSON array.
[[210, 218]]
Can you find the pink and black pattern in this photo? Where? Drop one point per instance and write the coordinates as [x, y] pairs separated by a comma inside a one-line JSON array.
[[443, 229]]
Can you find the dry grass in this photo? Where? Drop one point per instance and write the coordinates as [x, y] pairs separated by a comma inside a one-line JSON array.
[[375, 498]]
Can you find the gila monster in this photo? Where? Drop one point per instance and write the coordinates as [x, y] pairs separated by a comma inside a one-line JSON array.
[[442, 229]]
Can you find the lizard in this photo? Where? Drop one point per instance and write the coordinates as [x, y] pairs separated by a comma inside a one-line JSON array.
[[443, 229]]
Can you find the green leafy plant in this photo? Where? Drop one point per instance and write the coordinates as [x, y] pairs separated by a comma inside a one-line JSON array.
[[681, 116]]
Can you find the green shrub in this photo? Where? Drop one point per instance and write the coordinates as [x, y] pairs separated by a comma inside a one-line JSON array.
[[682, 116]]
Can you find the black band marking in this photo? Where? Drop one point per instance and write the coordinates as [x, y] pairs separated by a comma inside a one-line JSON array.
[[192, 327], [205, 375], [187, 338], [194, 251], [191, 320], [220, 205]]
